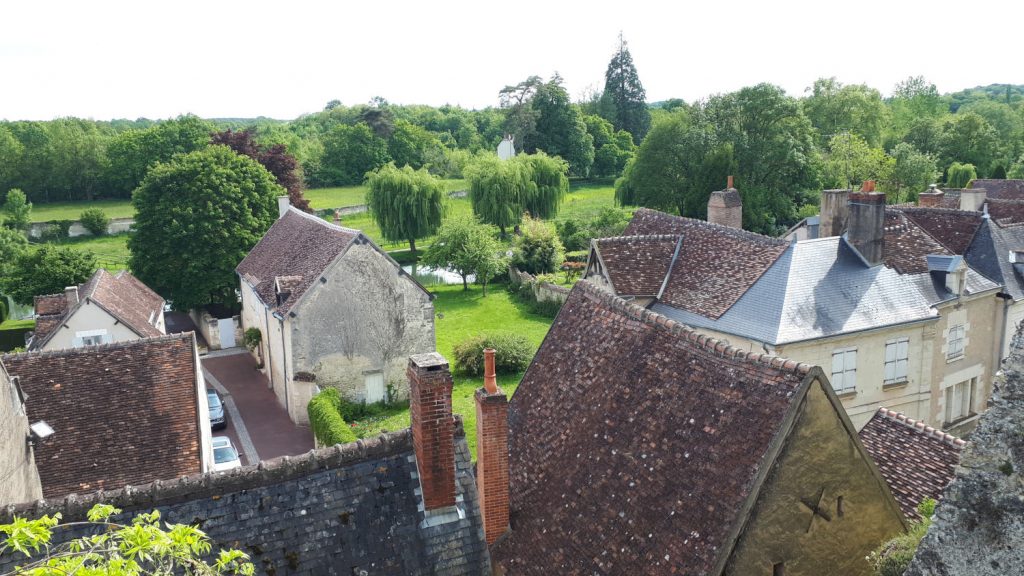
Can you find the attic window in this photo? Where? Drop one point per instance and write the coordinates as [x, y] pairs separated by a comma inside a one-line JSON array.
[[1016, 256]]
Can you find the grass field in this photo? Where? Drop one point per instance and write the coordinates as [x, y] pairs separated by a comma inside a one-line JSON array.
[[461, 315], [323, 198], [111, 251], [72, 210]]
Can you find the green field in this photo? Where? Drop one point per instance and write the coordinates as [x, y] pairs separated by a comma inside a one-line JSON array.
[[72, 210], [111, 251], [324, 198], [462, 314]]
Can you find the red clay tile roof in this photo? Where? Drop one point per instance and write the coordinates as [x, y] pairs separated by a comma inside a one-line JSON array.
[[298, 244], [634, 442], [716, 264], [1000, 189], [50, 304], [916, 460], [123, 413], [1006, 211], [907, 245], [122, 295], [637, 265], [954, 229]]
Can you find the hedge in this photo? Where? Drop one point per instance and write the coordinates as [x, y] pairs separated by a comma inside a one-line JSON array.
[[12, 334], [325, 419], [512, 353]]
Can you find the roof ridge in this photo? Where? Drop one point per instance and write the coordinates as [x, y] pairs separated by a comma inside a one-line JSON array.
[[728, 230], [319, 220], [714, 345], [933, 209], [672, 237], [97, 347], [920, 427]]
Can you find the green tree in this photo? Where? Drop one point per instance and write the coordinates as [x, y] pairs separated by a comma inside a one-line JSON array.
[[968, 138], [836, 109], [912, 172], [852, 160], [196, 217], [960, 175], [538, 250], [95, 221], [925, 134], [1017, 169], [913, 99], [497, 190], [10, 158], [133, 152], [13, 245], [17, 210], [411, 145], [138, 548], [548, 183], [407, 204], [612, 149], [560, 128], [624, 101], [47, 270], [520, 115], [466, 247], [349, 153]]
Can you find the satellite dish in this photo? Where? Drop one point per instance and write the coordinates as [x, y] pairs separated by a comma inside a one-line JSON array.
[[507, 148]]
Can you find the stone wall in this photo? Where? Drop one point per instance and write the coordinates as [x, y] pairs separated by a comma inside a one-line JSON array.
[[210, 330], [116, 226], [978, 528], [19, 478], [542, 291]]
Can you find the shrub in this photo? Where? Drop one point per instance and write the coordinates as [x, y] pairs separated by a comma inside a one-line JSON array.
[[960, 175], [546, 308], [252, 338], [893, 557], [12, 334], [57, 230], [512, 353], [577, 256], [538, 249], [329, 427], [95, 221]]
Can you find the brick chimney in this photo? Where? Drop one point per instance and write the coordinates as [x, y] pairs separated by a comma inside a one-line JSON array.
[[972, 199], [834, 211], [725, 207], [866, 226], [71, 295], [433, 428], [283, 203], [492, 452], [932, 198]]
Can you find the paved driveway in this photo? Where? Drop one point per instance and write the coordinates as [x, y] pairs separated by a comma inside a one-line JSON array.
[[260, 426]]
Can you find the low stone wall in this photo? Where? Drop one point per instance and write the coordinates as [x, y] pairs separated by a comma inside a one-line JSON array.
[[116, 226], [210, 329], [542, 291]]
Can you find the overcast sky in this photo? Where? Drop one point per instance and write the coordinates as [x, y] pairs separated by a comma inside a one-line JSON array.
[[103, 59]]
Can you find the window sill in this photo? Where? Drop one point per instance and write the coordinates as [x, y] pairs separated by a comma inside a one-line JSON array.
[[951, 359], [846, 395], [894, 385], [966, 419]]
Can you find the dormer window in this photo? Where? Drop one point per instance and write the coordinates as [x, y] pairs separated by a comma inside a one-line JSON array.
[[1016, 256]]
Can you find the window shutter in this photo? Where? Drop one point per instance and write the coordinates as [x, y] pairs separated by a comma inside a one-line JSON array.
[[890, 352], [76, 342], [890, 371]]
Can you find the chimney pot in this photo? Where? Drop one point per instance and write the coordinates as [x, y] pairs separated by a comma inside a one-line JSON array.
[[490, 382], [283, 203], [433, 428], [728, 183], [71, 295], [869, 186], [492, 469]]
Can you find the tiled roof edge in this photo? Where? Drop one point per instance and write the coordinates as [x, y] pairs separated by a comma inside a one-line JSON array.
[[713, 345], [319, 220], [728, 230], [920, 427], [931, 209], [90, 349], [641, 237]]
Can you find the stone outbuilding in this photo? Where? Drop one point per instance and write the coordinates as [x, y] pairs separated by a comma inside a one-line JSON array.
[[333, 309]]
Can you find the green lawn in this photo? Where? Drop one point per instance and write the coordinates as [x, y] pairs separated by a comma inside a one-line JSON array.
[[323, 198], [462, 314], [111, 251], [72, 210], [10, 324]]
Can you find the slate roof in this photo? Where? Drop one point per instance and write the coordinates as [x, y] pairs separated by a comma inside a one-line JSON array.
[[299, 245], [989, 253], [123, 413], [345, 509], [916, 460], [1000, 189], [634, 442], [122, 295], [637, 265], [954, 229], [716, 264]]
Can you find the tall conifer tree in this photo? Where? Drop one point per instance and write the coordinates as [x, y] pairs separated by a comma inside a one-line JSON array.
[[624, 102]]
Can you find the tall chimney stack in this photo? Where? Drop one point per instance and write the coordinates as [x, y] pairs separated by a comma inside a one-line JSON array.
[[932, 198], [492, 453], [866, 232], [834, 212], [433, 428], [283, 203], [725, 207], [972, 199], [71, 295]]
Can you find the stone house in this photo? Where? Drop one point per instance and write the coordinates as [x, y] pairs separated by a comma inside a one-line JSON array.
[[400, 504], [895, 317], [333, 309], [639, 446], [20, 482], [125, 413], [106, 308]]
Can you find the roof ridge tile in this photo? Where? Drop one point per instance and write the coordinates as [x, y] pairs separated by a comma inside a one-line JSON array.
[[728, 230], [920, 427], [98, 347]]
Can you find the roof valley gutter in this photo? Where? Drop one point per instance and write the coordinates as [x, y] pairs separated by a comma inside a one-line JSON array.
[[672, 264]]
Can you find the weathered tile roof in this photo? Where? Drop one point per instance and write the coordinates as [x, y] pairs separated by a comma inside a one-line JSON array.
[[954, 229], [298, 245], [345, 509], [634, 442], [716, 264], [1006, 211], [916, 460], [1000, 189], [122, 295], [50, 304], [907, 245], [123, 413], [637, 265]]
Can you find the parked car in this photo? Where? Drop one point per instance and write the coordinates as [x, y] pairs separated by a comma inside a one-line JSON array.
[[218, 418], [225, 457]]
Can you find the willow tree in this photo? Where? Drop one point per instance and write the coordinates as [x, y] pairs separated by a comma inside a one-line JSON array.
[[500, 191], [407, 204]]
